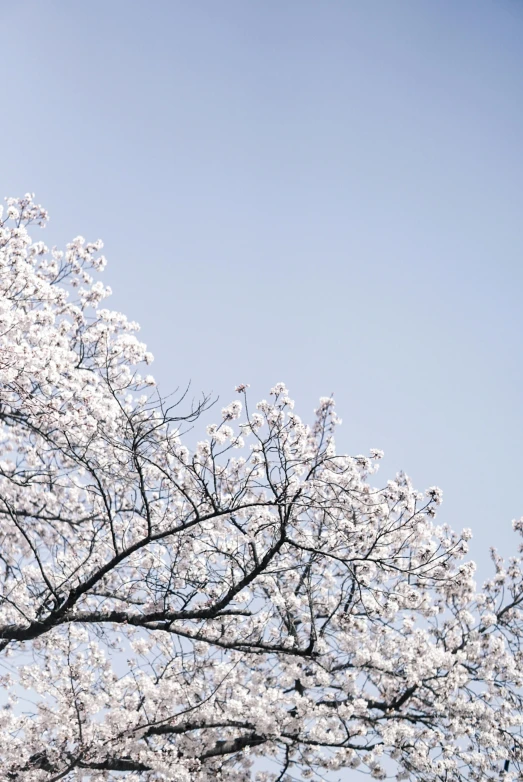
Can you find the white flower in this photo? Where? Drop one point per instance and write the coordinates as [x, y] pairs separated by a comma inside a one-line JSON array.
[[434, 494], [488, 619], [279, 389], [232, 411]]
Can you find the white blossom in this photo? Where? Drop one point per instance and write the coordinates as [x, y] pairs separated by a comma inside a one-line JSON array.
[[218, 612]]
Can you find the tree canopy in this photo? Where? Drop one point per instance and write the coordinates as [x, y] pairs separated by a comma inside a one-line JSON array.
[[251, 608]]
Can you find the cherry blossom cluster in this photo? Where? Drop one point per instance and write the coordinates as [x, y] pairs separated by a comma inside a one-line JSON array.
[[250, 609]]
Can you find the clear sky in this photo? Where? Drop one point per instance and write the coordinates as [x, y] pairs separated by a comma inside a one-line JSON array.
[[327, 193]]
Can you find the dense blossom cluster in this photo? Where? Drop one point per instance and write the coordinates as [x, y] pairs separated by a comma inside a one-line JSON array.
[[250, 609]]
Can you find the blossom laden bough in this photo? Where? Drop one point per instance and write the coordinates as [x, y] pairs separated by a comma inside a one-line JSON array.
[[251, 609]]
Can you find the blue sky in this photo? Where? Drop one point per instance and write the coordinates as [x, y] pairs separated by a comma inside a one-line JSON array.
[[326, 193]]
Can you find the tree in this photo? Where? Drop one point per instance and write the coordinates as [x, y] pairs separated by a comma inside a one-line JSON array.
[[254, 603]]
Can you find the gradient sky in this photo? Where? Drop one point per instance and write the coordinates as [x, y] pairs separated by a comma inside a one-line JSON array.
[[326, 193]]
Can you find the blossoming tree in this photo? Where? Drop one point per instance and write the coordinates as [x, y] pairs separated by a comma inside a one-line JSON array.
[[252, 609]]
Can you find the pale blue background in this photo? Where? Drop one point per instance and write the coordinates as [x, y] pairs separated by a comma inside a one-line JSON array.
[[327, 193]]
